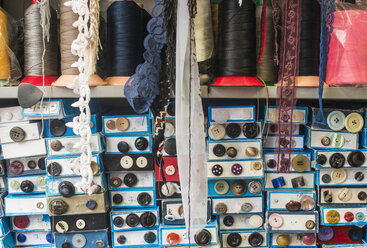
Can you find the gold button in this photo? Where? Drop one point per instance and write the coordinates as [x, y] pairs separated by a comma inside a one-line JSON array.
[[283, 240], [251, 151], [332, 216], [338, 176], [110, 124], [310, 224], [122, 124], [256, 165], [300, 163]]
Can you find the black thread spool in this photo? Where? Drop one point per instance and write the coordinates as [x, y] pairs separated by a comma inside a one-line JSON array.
[[126, 30]]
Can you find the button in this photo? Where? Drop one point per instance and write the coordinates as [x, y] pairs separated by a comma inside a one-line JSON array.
[[21, 238], [31, 164], [251, 130], [168, 189], [220, 208], [141, 162], [326, 178], [300, 163], [148, 219], [80, 224], [54, 169], [180, 210], [132, 220], [283, 240], [79, 240], [17, 134], [141, 143], [360, 216], [278, 182], [254, 187], [122, 124], [100, 243], [62, 226], [66, 189], [126, 162], [115, 182], [231, 152], [275, 220], [40, 205], [356, 158], [170, 170], [173, 238], [70, 147], [246, 207], [171, 109], [130, 180], [118, 221], [328, 197], [16, 167], [57, 128], [123, 147], [236, 169], [170, 146], [217, 131], [217, 170], [255, 221], [117, 198], [345, 194], [58, 206], [219, 150], [121, 239], [293, 205], [355, 233], [337, 160], [234, 239], [26, 186], [66, 245], [332, 216], [110, 124], [41, 182], [21, 222], [169, 130], [56, 145], [233, 130], [50, 238], [308, 238], [359, 176], [144, 199], [256, 165], [95, 167], [321, 159], [150, 237], [91, 204], [307, 202], [14, 184], [354, 122], [325, 141], [41, 163], [337, 140], [338, 176], [255, 239], [362, 196], [336, 120], [251, 151], [238, 187], [349, 216], [221, 187], [203, 237], [228, 220], [310, 224], [325, 233], [271, 163]]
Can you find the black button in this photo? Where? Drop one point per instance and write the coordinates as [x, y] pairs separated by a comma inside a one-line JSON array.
[[203, 237], [321, 159], [362, 196], [121, 239], [66, 189], [41, 163], [234, 239], [255, 239], [271, 163], [337, 160], [144, 199], [31, 164], [171, 109], [66, 245], [130, 180], [217, 170], [219, 150], [58, 206], [123, 147], [141, 143], [328, 197], [148, 219], [150, 237], [118, 221], [228, 220], [27, 186], [54, 169], [355, 233], [170, 146], [57, 128], [359, 176], [250, 130], [91, 204], [233, 130], [326, 178], [117, 198], [356, 158], [132, 220]]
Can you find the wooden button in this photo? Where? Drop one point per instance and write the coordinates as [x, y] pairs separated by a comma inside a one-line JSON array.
[[338, 176], [95, 167], [122, 124]]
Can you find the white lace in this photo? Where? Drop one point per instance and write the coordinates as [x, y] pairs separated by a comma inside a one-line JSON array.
[[44, 6]]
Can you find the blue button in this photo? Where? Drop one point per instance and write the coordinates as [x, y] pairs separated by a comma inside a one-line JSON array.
[[50, 238], [360, 216], [21, 238], [278, 182]]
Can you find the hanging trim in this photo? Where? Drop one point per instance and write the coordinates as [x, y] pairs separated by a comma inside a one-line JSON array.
[[263, 32]]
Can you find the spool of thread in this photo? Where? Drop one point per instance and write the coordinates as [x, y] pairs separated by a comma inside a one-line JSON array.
[[215, 8], [68, 34], [4, 56], [126, 30], [37, 72]]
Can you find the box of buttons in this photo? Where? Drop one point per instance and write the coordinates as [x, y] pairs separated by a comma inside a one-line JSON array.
[[134, 219], [30, 223], [244, 239], [293, 240], [341, 177], [126, 125], [273, 142], [27, 184], [341, 140], [234, 150], [177, 235], [291, 200], [83, 239], [300, 115], [136, 238], [128, 144], [133, 198], [235, 130], [169, 170], [240, 222], [4, 226], [12, 114], [168, 190], [80, 222], [300, 161], [242, 205], [273, 128], [25, 204], [7, 240], [45, 109], [286, 181], [344, 246], [342, 196], [25, 166], [235, 170], [20, 132], [31, 148], [292, 222], [34, 238], [342, 216], [342, 158], [231, 113], [129, 162], [127, 180], [62, 166], [234, 188], [333, 235]]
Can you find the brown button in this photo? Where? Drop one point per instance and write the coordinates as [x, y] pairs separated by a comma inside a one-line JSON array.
[[17, 134], [180, 210], [115, 182], [256, 165], [310, 224], [32, 164], [300, 163], [56, 145], [110, 124], [122, 124], [221, 208], [231, 152], [95, 167], [325, 141], [238, 187], [293, 206]]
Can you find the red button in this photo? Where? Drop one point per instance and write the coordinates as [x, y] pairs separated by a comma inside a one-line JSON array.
[[21, 222], [349, 216], [173, 239]]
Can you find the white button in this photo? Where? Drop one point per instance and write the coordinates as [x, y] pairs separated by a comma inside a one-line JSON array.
[[255, 221], [170, 170], [79, 240], [8, 116], [19, 116], [142, 162], [168, 189], [53, 107], [169, 130], [126, 162], [80, 224], [62, 226], [217, 131]]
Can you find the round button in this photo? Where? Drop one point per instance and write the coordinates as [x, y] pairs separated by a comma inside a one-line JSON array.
[[325, 233], [141, 162], [308, 238], [345, 194], [16, 167], [41, 163], [321, 159], [132, 220], [203, 237], [170, 146], [256, 165], [219, 150], [310, 224], [150, 237], [66, 245], [251, 130], [217, 170], [338, 176], [337, 160], [123, 147], [275, 220], [66, 189], [121, 239], [217, 132], [180, 210], [300, 163], [356, 158], [283, 240], [221, 187], [144, 199], [80, 224], [220, 208], [255, 239], [359, 176], [355, 233], [255, 221], [233, 130], [141, 143], [21, 238], [62, 226], [231, 152], [293, 205], [236, 169], [251, 151], [17, 134], [117, 198], [170, 170], [168, 189], [228, 220], [130, 180], [255, 187], [100, 243], [21, 222], [14, 184], [115, 182], [27, 186], [171, 109], [325, 141], [246, 207], [91, 204], [354, 122], [41, 182], [234, 239], [337, 140], [95, 167], [271, 163], [336, 120], [57, 128], [54, 169], [56, 145], [110, 124], [118, 221], [122, 124], [148, 219], [238, 187], [169, 130], [32, 164], [349, 216], [332, 216], [360, 216], [50, 238], [79, 240], [362, 196], [126, 162], [173, 238], [307, 202], [58, 206], [326, 178]]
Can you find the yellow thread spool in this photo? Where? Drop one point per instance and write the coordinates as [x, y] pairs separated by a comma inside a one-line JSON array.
[[4, 57]]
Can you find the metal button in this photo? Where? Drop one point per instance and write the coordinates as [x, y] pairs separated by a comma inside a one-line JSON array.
[[91, 204], [31, 164], [144, 199], [283, 240], [16, 167], [293, 205], [219, 150], [217, 170], [27, 186], [359, 176], [298, 182], [336, 120], [100, 243], [236, 169], [256, 165], [173, 238], [40, 205], [118, 221], [356, 233], [66, 189], [231, 152], [300, 163], [130, 180], [14, 184], [251, 130], [150, 237], [271, 163], [80, 224], [169, 130], [255, 221], [126, 162], [168, 189], [217, 131], [362, 196], [275, 220], [328, 197], [54, 169], [332, 216], [132, 220], [123, 147], [337, 160], [203, 237], [41, 163], [310, 224], [348, 216], [251, 151], [321, 159], [170, 170], [141, 162], [170, 146], [246, 207], [58, 206], [228, 220], [115, 182], [255, 187], [110, 124], [345, 194], [66, 245], [17, 134], [337, 140], [326, 178], [148, 219], [238, 187], [141, 143], [79, 240], [255, 239], [220, 208], [325, 141], [325, 233], [360, 217], [354, 122], [21, 222], [356, 158], [234, 239], [338, 176], [233, 130], [122, 124], [62, 226], [56, 145], [221, 187], [57, 128], [117, 198], [121, 239]]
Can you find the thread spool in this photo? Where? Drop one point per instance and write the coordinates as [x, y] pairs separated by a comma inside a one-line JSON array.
[[4, 56], [126, 30], [67, 34]]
